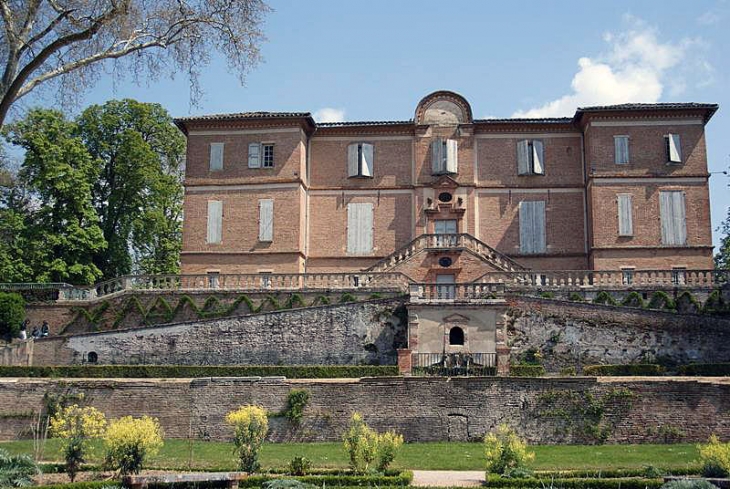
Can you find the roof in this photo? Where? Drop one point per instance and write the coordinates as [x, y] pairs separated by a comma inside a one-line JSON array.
[[243, 115], [363, 123], [538, 120], [709, 108]]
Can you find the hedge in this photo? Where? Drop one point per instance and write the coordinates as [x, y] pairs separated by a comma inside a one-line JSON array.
[[614, 473], [584, 483], [82, 485], [192, 371], [403, 479], [526, 370], [630, 370], [706, 369]]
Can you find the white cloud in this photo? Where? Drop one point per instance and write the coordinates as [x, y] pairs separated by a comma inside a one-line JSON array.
[[710, 17], [635, 68], [329, 114]]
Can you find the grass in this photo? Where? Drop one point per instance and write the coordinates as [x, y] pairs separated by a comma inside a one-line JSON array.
[[425, 456]]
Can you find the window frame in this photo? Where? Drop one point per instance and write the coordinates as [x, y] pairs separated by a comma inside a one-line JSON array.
[[361, 160], [531, 171], [616, 153], [668, 148], [211, 146], [267, 158]]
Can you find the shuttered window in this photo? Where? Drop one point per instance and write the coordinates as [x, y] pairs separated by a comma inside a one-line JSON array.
[[254, 155], [625, 216], [216, 156], [621, 150], [673, 148], [444, 156], [360, 160], [532, 227], [266, 220], [359, 229], [530, 157], [215, 221], [673, 218]]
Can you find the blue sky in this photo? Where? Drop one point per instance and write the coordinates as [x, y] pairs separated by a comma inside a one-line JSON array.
[[375, 59]]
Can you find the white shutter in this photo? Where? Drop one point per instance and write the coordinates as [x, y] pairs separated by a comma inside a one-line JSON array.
[[673, 217], [266, 220], [437, 157], [215, 221], [621, 149], [216, 156], [254, 155], [523, 157], [367, 160], [625, 217], [452, 156], [532, 227], [352, 163], [538, 165], [359, 228], [675, 149]]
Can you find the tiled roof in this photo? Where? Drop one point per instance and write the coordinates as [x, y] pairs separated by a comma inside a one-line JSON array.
[[658, 106], [244, 115], [544, 120], [362, 123]]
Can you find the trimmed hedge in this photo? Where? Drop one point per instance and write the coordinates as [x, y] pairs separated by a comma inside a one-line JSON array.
[[526, 370], [614, 473], [191, 371], [403, 479], [81, 485], [706, 369], [586, 483], [630, 370]]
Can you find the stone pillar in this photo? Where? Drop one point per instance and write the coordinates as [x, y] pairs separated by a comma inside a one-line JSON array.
[[413, 332], [503, 354], [405, 361]]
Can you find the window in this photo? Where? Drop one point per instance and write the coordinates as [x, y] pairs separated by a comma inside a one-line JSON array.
[[92, 357], [254, 155], [214, 280], [444, 226], [532, 227], [621, 150], [261, 155], [268, 151], [673, 148], [445, 261], [530, 157], [445, 288], [444, 156], [359, 229], [456, 336], [672, 217], [215, 221], [445, 197], [266, 220], [360, 160], [679, 275], [216, 156], [625, 218], [265, 280], [627, 275]]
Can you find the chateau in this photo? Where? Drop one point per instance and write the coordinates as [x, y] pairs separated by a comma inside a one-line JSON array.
[[446, 198]]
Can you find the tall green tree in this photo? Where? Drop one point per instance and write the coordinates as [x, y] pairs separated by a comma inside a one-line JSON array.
[[13, 209], [722, 258]]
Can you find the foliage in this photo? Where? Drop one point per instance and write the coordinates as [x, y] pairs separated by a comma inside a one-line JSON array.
[[633, 369], [687, 303], [606, 298], [16, 470], [547, 295], [706, 369], [128, 441], [250, 426], [361, 444], [722, 258], [633, 299], [715, 303], [505, 450], [661, 300], [689, 484], [76, 426], [300, 466], [12, 313], [526, 370], [388, 445], [583, 483], [296, 401], [576, 297], [286, 484], [715, 458]]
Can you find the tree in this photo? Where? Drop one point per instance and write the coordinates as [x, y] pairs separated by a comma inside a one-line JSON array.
[[77, 426], [250, 426], [722, 258], [12, 313], [69, 41], [129, 441]]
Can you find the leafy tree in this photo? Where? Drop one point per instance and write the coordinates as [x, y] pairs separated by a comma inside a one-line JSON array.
[[250, 426], [12, 313], [77, 426], [69, 41], [722, 258], [505, 450], [61, 232], [129, 441]]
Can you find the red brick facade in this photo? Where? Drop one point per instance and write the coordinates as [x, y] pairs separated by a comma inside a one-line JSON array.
[[574, 225]]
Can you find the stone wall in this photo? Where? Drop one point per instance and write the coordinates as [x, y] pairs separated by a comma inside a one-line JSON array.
[[364, 332], [546, 411]]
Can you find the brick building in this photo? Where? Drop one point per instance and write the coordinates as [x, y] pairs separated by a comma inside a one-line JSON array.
[[445, 197]]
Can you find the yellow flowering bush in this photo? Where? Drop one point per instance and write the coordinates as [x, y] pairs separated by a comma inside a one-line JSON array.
[[250, 425], [128, 441], [76, 426], [715, 458], [505, 450], [388, 445]]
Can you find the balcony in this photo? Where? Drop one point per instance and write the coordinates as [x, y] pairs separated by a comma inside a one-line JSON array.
[[455, 364]]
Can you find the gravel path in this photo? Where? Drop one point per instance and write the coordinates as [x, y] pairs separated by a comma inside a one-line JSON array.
[[448, 478]]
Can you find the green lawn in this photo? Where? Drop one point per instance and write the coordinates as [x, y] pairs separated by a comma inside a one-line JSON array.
[[427, 456]]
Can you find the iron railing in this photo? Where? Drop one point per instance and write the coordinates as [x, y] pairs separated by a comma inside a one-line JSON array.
[[455, 364], [471, 292]]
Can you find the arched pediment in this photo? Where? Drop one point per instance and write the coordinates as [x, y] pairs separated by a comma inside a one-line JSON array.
[[443, 108]]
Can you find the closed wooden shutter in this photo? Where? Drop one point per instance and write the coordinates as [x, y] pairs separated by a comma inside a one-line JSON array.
[[215, 221], [266, 220], [538, 165], [673, 218], [532, 227], [254, 155], [625, 217], [437, 157], [216, 156], [523, 157], [352, 163], [359, 228], [621, 149], [367, 160], [675, 148], [452, 156]]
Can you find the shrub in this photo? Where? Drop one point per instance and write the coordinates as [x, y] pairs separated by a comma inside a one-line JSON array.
[[519, 473], [634, 369], [706, 369], [76, 426], [547, 295], [604, 297], [361, 444], [16, 470], [715, 458], [576, 297], [300, 466], [689, 484], [714, 303], [388, 445], [687, 303], [128, 441], [250, 426], [568, 372], [296, 401], [633, 299], [505, 450], [12, 313], [661, 300], [286, 484], [526, 370]]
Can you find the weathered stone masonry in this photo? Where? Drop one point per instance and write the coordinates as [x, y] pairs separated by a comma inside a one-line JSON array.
[[423, 409]]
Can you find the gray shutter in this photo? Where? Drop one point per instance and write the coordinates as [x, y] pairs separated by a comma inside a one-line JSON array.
[[254, 155], [526, 225], [672, 214], [367, 164], [452, 156], [523, 157], [538, 223], [665, 216], [532, 227], [436, 157], [215, 221], [679, 218], [216, 156], [675, 149], [625, 218], [352, 169], [359, 228], [266, 220], [538, 165], [621, 150]]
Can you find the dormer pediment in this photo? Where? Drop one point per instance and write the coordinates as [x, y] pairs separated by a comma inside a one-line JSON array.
[[445, 182], [456, 318]]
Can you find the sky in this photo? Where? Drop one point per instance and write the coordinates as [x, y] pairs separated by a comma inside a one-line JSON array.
[[375, 59]]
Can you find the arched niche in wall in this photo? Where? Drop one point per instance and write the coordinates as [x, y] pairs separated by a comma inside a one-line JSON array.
[[443, 108]]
